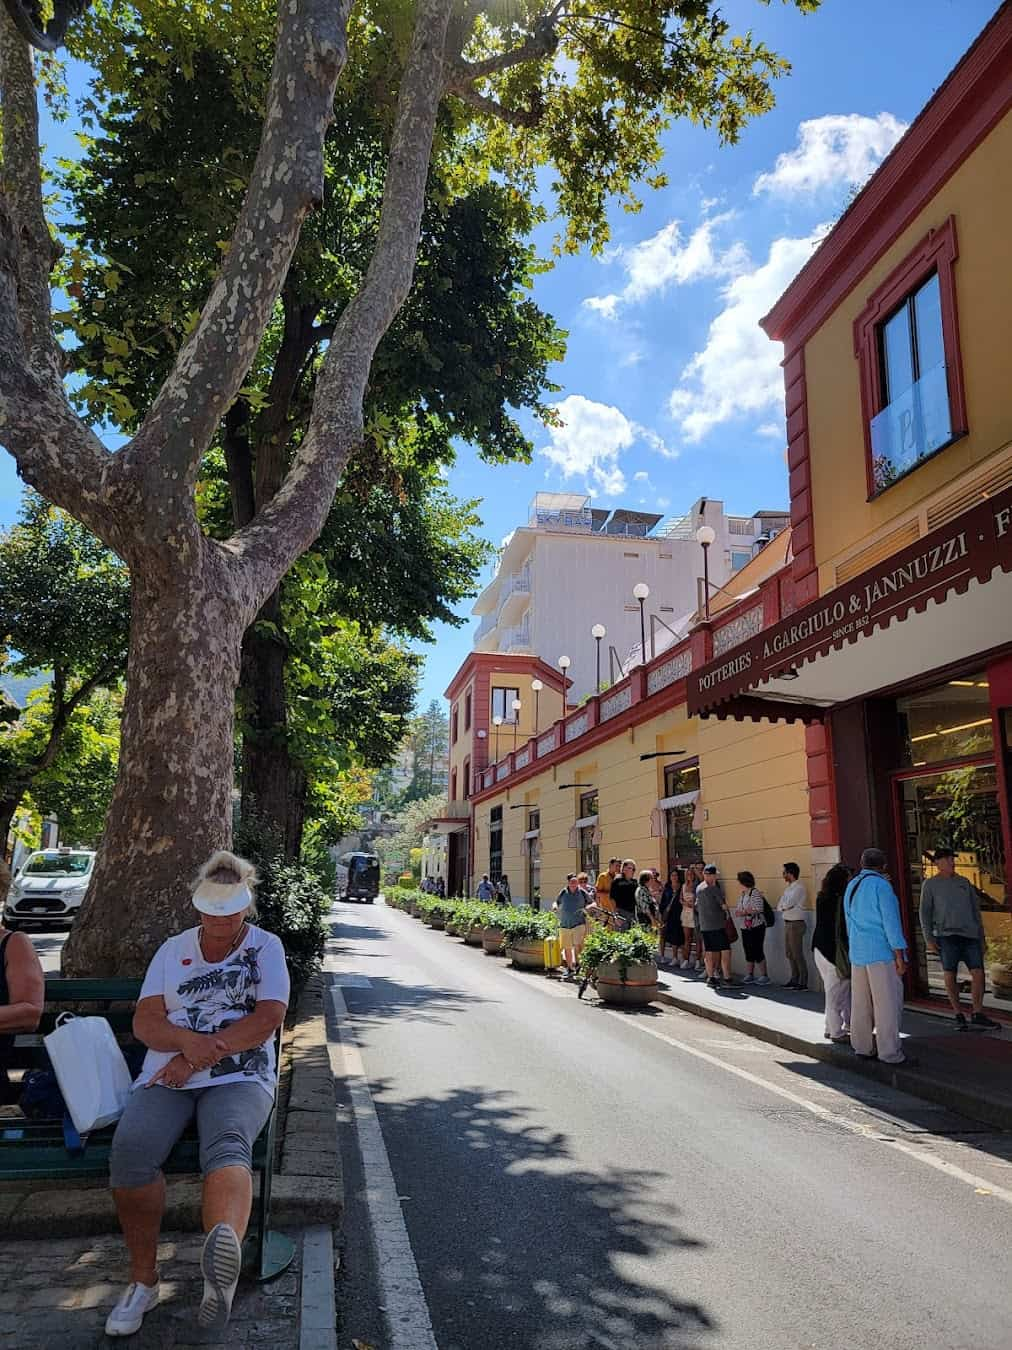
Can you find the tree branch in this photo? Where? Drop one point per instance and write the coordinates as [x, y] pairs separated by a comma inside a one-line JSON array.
[[64, 709], [541, 43], [286, 183], [266, 548], [515, 117]]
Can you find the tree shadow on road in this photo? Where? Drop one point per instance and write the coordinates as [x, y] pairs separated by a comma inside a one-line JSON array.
[[519, 1247], [379, 999]]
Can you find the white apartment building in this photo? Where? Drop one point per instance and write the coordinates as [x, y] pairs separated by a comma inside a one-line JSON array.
[[573, 566]]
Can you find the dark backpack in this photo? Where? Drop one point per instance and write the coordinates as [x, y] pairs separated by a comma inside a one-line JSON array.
[[769, 913]]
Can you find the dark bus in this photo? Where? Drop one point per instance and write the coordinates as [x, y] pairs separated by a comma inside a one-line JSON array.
[[363, 881]]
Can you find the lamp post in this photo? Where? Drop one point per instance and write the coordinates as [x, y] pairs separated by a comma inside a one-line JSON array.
[[497, 723], [640, 591], [598, 632], [516, 721], [536, 688], [564, 664], [705, 536]]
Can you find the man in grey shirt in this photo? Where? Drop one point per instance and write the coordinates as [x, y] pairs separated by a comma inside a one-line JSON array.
[[712, 914], [951, 922]]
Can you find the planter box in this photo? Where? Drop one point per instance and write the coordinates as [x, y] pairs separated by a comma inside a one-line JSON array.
[[492, 940], [473, 936], [450, 927], [637, 989], [1000, 975], [437, 923], [528, 955]]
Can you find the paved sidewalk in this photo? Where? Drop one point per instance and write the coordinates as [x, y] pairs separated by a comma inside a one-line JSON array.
[[969, 1072], [55, 1295]]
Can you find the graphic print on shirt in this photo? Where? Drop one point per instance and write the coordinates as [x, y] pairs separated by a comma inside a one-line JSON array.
[[227, 994]]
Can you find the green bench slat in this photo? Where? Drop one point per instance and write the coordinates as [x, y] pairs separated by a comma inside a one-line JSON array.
[[92, 991]]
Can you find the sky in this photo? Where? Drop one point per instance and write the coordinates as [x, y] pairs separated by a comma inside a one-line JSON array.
[[669, 389]]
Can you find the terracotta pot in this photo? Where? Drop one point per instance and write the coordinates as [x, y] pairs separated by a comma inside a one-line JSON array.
[[433, 922], [528, 955], [473, 936], [636, 990], [492, 940], [450, 927], [1000, 975]]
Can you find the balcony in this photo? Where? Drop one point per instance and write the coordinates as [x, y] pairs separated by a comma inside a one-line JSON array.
[[514, 595], [517, 638]]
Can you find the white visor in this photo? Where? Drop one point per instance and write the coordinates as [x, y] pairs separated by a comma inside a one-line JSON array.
[[221, 899]]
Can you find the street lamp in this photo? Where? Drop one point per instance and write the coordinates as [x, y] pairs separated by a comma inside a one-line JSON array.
[[564, 664], [497, 723], [705, 536], [641, 590], [536, 688], [598, 632], [516, 721]]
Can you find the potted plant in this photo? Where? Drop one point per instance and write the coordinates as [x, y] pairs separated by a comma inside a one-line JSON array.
[[471, 924], [622, 965], [999, 966], [526, 930], [493, 936]]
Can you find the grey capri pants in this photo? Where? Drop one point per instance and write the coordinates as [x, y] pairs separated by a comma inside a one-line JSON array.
[[229, 1118]]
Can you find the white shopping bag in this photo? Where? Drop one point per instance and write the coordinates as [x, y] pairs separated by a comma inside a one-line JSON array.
[[90, 1069]]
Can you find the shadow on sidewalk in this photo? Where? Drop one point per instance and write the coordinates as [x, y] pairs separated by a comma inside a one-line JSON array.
[[538, 1252]]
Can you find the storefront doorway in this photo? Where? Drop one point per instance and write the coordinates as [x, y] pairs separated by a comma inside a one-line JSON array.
[[948, 794]]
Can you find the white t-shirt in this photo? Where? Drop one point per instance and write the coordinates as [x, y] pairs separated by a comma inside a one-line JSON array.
[[207, 996]]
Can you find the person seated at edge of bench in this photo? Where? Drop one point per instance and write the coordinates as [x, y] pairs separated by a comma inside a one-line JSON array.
[[22, 995], [211, 1001]]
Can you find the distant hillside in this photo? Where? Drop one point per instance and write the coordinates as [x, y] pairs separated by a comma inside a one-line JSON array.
[[18, 687]]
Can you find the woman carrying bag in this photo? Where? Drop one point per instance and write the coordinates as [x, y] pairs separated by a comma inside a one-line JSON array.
[[751, 910], [832, 958]]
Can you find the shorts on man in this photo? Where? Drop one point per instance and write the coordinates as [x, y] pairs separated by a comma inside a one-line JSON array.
[[953, 948], [716, 940]]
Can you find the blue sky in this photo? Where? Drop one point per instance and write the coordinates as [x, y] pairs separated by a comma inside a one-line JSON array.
[[669, 389]]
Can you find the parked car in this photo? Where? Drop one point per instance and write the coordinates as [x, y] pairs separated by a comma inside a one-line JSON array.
[[49, 887]]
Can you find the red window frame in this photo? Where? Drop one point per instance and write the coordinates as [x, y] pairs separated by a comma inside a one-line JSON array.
[[936, 252], [453, 725]]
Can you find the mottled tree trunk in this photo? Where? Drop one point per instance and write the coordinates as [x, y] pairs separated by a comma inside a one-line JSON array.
[[172, 806], [266, 763]]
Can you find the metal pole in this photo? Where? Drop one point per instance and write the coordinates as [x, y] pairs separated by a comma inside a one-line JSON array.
[[706, 580], [598, 641], [643, 634], [537, 722]]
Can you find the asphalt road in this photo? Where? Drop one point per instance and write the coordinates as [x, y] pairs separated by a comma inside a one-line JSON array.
[[49, 944], [574, 1178]]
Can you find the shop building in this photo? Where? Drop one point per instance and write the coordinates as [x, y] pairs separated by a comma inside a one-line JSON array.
[[891, 635]]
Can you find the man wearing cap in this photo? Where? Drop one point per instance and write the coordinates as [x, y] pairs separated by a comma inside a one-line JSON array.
[[952, 926], [712, 912]]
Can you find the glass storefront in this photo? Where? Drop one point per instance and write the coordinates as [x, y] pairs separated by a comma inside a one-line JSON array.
[[684, 838]]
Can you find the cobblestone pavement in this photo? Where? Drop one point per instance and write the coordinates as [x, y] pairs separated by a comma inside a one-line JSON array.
[[56, 1295]]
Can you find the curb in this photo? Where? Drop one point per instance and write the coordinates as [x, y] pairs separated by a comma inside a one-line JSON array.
[[936, 1090], [308, 1188]]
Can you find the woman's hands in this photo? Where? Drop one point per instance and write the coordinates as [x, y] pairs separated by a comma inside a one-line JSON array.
[[175, 1074], [200, 1051]]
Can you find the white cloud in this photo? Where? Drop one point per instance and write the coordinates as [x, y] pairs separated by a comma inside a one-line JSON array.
[[632, 357], [667, 259], [738, 371], [590, 442], [841, 149], [772, 431], [641, 476]]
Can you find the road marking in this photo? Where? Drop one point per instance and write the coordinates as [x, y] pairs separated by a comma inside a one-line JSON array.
[[872, 1133], [401, 1293]]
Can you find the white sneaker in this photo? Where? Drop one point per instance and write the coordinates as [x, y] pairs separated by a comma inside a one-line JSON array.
[[220, 1265], [684, 965], [128, 1314]]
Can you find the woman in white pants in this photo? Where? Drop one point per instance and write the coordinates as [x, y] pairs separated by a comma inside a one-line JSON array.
[[829, 946]]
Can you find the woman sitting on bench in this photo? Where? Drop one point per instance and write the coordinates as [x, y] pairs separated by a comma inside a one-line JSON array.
[[22, 995], [212, 999]]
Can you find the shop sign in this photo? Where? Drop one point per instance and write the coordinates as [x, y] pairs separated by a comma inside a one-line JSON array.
[[971, 546]]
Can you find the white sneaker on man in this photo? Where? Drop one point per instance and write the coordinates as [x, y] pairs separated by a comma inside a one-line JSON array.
[[128, 1314], [220, 1265]]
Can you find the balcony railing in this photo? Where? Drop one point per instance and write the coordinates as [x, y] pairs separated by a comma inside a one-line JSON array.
[[913, 426], [488, 622]]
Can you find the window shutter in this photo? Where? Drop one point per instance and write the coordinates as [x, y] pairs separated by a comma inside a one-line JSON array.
[[574, 836]]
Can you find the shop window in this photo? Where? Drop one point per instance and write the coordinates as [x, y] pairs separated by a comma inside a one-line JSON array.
[[948, 722], [907, 343], [589, 852], [684, 839], [534, 860], [502, 704], [467, 711], [495, 843]]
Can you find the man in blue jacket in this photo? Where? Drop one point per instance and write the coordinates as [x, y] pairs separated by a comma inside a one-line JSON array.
[[878, 961]]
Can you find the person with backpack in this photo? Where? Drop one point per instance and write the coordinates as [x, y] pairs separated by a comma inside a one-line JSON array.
[[751, 910], [832, 958]]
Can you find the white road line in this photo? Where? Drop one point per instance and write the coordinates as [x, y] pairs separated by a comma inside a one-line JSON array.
[[869, 1132], [402, 1296], [318, 1313]]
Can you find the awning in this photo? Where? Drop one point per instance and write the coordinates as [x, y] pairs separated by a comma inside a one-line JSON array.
[[970, 557]]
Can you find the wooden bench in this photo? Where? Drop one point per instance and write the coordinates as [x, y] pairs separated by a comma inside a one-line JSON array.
[[35, 1150]]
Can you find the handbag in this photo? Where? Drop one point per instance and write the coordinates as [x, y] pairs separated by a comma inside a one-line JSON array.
[[769, 913], [90, 1069], [730, 929]]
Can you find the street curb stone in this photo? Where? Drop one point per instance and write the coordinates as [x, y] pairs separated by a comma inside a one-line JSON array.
[[936, 1090]]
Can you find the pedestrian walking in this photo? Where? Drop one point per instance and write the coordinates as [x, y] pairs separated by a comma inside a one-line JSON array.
[[570, 904], [692, 958], [503, 894], [831, 951], [485, 889], [751, 910], [878, 961], [602, 887], [953, 928], [713, 914], [792, 911], [440, 888], [623, 892], [672, 934]]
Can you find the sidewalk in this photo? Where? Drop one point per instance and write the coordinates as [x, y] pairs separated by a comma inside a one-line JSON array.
[[968, 1072]]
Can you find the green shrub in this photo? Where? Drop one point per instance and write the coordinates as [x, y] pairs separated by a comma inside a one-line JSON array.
[[529, 925], [999, 950], [624, 949]]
